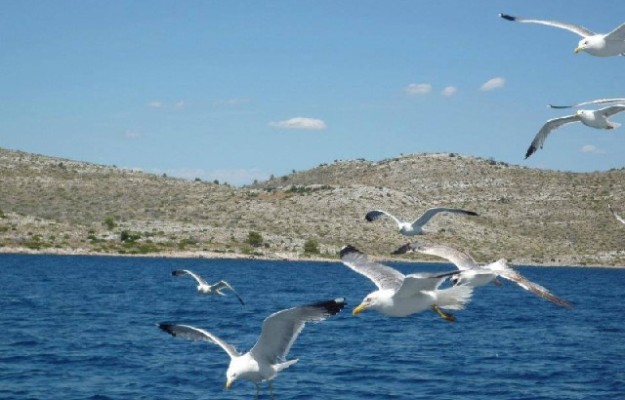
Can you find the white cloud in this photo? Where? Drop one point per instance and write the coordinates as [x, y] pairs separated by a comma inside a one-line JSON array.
[[129, 134], [418, 88], [235, 101], [449, 91], [180, 105], [492, 84], [300, 123], [591, 149], [155, 104]]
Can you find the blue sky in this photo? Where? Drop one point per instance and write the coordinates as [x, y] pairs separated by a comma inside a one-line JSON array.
[[239, 90]]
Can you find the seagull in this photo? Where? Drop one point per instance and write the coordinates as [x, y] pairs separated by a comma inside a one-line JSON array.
[[596, 44], [416, 227], [592, 118], [205, 288], [585, 103], [400, 295], [619, 218], [473, 275], [268, 356]]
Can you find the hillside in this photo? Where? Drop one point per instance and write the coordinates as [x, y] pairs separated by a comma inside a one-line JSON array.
[[526, 215]]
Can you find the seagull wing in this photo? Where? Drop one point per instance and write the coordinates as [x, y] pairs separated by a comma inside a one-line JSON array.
[[280, 329], [415, 283], [619, 218], [502, 269], [549, 126], [617, 34], [193, 333], [376, 214], [225, 285], [384, 277], [609, 111], [461, 260], [579, 30], [598, 101], [423, 219], [181, 272]]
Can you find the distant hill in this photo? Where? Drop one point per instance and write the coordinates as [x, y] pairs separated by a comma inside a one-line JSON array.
[[526, 215]]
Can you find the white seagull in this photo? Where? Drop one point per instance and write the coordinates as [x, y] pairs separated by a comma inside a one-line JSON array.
[[592, 118], [618, 217], [472, 274], [205, 288], [400, 295], [415, 227], [268, 356], [585, 103], [596, 44]]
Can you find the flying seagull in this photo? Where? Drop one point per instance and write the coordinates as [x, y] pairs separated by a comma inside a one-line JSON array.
[[268, 356], [399, 295], [592, 118], [618, 217], [585, 103], [416, 227], [206, 288], [596, 44], [473, 275]]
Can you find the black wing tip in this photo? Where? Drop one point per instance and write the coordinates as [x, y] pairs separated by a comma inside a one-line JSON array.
[[348, 250], [332, 307], [372, 216], [557, 107], [530, 151], [402, 249], [178, 272], [167, 327], [472, 213], [507, 17]]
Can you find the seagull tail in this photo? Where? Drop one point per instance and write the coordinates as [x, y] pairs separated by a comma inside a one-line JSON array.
[[285, 365], [455, 297]]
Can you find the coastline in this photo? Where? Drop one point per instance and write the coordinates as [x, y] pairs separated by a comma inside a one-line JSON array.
[[282, 256]]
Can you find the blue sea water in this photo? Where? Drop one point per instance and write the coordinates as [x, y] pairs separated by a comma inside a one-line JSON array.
[[75, 327]]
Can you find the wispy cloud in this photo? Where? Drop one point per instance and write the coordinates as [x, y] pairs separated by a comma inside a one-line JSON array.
[[591, 149], [300, 123], [235, 101], [418, 88], [449, 91], [130, 134], [492, 84], [178, 105], [155, 104]]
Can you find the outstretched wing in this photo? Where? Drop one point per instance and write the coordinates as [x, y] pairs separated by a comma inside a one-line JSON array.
[[193, 333], [577, 29], [383, 276], [585, 103], [182, 272], [618, 217], [280, 329], [609, 111], [502, 269], [461, 260], [376, 214], [549, 126], [415, 283], [428, 214], [225, 285], [617, 34]]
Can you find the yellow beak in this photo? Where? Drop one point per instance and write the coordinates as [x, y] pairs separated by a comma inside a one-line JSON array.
[[359, 309], [578, 49], [228, 384]]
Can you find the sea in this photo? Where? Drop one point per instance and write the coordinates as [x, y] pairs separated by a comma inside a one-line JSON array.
[[85, 327]]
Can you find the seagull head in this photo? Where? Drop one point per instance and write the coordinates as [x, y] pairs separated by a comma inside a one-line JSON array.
[[234, 372], [590, 42], [373, 300]]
